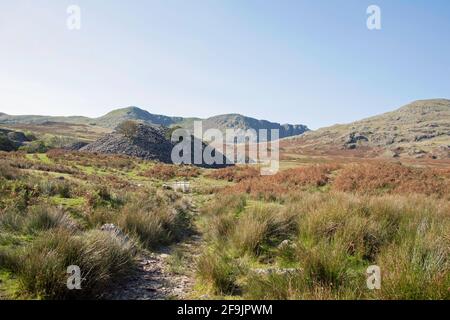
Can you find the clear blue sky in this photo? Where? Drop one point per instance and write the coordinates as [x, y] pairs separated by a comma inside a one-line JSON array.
[[311, 62]]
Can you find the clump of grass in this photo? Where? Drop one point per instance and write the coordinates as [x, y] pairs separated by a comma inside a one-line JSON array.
[[55, 187], [11, 220], [102, 258], [177, 261], [221, 216], [153, 221], [261, 227], [220, 271], [41, 218], [418, 267], [8, 172], [102, 196], [100, 216], [334, 237], [249, 230], [35, 219], [8, 258], [273, 287]]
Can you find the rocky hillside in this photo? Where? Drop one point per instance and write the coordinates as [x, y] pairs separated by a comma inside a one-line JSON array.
[[419, 129], [12, 140], [237, 121], [146, 142], [140, 140], [115, 117]]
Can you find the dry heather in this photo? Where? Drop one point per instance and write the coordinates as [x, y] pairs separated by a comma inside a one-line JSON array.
[[121, 162], [273, 187], [392, 178], [380, 177], [235, 173], [167, 172]]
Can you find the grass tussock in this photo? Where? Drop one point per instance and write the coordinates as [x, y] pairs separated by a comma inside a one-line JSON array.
[[8, 172], [153, 221], [220, 271], [326, 241], [102, 257]]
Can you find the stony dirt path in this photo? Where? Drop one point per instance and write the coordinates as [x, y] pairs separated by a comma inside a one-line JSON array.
[[155, 278], [167, 274]]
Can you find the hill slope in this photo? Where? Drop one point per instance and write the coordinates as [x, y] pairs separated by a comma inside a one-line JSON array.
[[115, 117], [419, 129]]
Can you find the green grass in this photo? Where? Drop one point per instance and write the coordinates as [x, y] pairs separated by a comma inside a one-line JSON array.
[[9, 286], [68, 202], [48, 223], [333, 237]]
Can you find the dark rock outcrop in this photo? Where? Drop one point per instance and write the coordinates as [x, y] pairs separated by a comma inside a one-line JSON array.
[[149, 142]]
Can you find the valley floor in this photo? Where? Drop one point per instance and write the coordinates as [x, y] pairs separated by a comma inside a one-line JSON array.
[[308, 232]]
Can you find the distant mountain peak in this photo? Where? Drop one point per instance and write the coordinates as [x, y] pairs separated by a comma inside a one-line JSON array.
[[113, 118]]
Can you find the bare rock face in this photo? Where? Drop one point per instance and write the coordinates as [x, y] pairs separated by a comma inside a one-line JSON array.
[[148, 142]]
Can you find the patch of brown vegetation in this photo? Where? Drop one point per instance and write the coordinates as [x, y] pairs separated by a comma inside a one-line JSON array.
[[392, 178], [235, 173], [104, 161], [167, 172], [271, 187]]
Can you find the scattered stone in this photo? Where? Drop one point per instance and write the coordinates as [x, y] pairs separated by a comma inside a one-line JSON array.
[[285, 244], [153, 279], [277, 271], [119, 234]]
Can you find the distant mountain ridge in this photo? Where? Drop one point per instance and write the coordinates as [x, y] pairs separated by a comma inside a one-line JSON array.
[[419, 129], [114, 118]]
